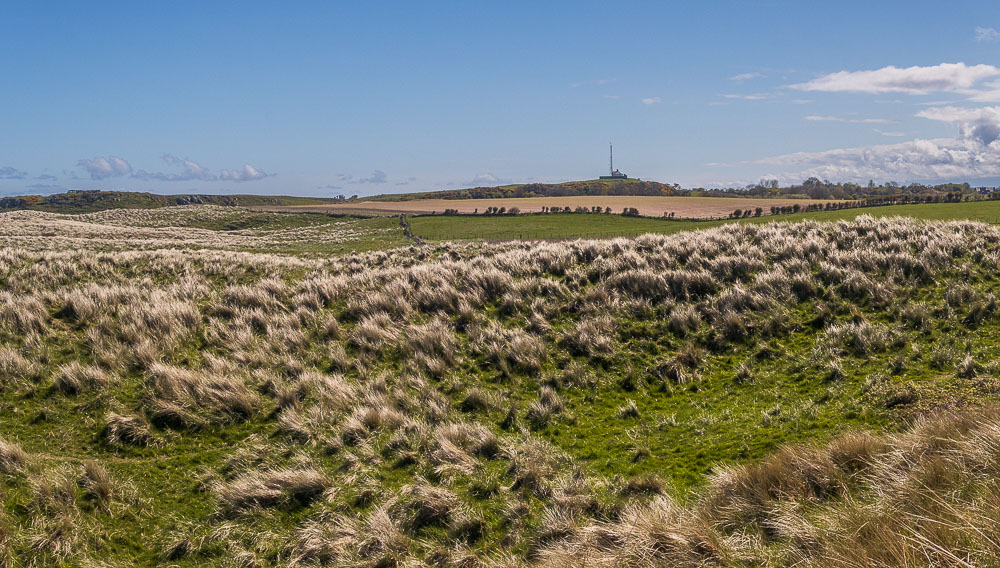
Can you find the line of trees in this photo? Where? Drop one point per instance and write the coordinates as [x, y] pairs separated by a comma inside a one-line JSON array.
[[815, 188]]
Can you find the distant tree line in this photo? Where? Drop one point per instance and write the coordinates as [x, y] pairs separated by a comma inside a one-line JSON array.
[[815, 188]]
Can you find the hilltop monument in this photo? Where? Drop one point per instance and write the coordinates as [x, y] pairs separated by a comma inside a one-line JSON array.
[[612, 172]]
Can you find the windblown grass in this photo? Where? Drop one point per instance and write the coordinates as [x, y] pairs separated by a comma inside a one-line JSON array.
[[767, 394]]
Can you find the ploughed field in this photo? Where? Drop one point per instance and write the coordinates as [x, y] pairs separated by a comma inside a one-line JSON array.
[[649, 206], [618, 402]]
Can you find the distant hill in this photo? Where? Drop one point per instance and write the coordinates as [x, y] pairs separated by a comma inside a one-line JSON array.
[[569, 188], [89, 201]]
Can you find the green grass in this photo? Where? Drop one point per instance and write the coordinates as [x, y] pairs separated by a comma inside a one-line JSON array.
[[577, 225], [682, 431]]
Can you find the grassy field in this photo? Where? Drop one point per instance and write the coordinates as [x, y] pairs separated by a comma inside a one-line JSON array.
[[198, 387], [651, 206], [200, 227], [574, 225]]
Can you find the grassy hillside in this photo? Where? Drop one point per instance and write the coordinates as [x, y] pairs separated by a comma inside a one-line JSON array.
[[616, 402], [576, 225], [90, 201], [199, 227], [586, 187]]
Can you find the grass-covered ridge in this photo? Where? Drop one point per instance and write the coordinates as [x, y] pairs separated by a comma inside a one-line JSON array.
[[505, 404], [198, 227], [97, 200], [583, 187]]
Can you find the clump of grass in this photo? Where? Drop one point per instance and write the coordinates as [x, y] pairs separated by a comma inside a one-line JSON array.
[[684, 319], [591, 336], [968, 367], [188, 399], [17, 368], [269, 489], [628, 410], [98, 484], [13, 459], [74, 378], [475, 400], [648, 484], [422, 505], [859, 338], [121, 430], [532, 464], [541, 411]]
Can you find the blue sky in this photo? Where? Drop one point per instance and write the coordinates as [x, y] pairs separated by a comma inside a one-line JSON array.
[[370, 97]]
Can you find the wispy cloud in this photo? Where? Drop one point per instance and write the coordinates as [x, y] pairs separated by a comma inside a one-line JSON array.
[[9, 172], [914, 80], [246, 173], [749, 97], [191, 170], [820, 118], [104, 168], [987, 34], [378, 176], [892, 133], [651, 100], [745, 76], [487, 179], [45, 177]]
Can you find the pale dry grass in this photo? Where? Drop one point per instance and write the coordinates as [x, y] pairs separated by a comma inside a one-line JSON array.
[[363, 359]]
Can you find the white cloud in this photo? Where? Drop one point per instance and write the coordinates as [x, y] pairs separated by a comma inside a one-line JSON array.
[[749, 97], [193, 171], [989, 95], [974, 154], [911, 80], [378, 176], [651, 100], [987, 34], [745, 76], [819, 118], [103, 168], [487, 179], [246, 173], [979, 124]]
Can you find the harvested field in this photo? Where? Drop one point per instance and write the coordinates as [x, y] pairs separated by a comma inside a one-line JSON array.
[[650, 206]]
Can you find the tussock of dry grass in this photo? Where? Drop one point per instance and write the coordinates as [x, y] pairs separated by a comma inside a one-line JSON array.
[[271, 489], [121, 430], [13, 459]]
